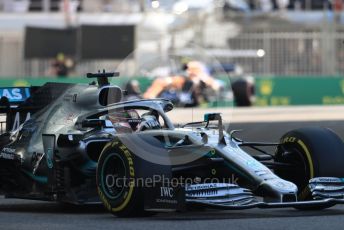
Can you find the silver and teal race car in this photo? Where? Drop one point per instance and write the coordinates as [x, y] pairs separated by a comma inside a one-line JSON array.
[[80, 144]]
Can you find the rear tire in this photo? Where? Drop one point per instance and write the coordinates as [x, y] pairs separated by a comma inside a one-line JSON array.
[[314, 152]]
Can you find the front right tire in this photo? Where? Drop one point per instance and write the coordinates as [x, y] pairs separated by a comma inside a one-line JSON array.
[[312, 152]]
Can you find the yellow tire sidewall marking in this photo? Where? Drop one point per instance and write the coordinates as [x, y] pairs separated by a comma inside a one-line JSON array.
[[309, 158], [306, 190], [131, 186]]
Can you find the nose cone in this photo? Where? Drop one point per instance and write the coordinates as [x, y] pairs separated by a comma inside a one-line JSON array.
[[278, 190]]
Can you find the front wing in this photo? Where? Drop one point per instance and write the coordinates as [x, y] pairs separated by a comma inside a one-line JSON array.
[[326, 192]]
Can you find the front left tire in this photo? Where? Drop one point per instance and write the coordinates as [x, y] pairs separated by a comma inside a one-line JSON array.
[[116, 174]]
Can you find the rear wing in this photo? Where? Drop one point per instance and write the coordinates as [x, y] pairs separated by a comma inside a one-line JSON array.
[[17, 104], [11, 116], [15, 95]]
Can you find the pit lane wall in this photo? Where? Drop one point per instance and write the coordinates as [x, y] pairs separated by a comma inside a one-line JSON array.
[[270, 91]]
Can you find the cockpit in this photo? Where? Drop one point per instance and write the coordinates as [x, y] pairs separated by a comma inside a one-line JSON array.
[[135, 116], [134, 120]]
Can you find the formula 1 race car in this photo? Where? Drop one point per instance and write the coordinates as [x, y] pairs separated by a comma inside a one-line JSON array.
[[79, 144]]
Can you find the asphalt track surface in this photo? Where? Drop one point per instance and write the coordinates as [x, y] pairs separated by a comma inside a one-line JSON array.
[[35, 215]]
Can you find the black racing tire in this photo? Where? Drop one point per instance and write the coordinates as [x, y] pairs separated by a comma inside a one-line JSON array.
[[116, 172], [313, 152], [243, 92]]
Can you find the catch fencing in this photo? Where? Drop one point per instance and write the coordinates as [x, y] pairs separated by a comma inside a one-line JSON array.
[[278, 53]]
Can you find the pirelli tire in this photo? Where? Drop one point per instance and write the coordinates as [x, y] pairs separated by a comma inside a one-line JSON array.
[[116, 173], [312, 152]]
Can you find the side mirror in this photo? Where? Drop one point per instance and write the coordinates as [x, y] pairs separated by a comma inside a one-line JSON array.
[[212, 117], [168, 107], [216, 117]]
